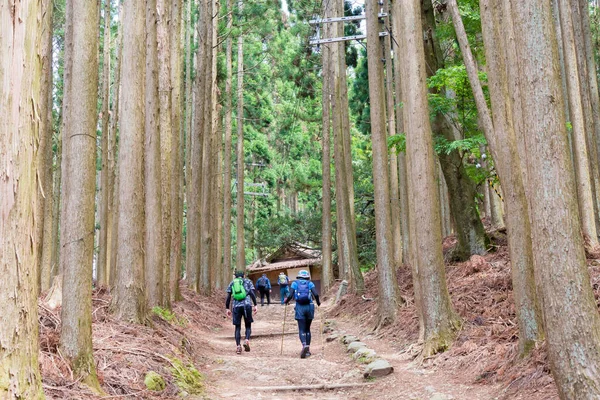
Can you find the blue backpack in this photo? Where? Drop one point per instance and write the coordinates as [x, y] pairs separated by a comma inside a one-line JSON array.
[[302, 294]]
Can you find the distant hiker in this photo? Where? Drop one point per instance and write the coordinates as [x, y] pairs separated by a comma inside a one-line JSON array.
[[242, 291], [284, 289], [263, 284], [303, 291]]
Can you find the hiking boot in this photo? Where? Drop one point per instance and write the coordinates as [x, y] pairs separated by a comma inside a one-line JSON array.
[[246, 345], [304, 352], [308, 354], [238, 350]]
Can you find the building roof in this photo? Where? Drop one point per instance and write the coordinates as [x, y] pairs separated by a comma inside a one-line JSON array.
[[293, 255], [259, 267]]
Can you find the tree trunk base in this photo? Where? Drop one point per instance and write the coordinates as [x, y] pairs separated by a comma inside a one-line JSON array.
[[54, 297]]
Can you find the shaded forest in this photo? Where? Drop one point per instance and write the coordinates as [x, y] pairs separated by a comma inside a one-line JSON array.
[[440, 156]]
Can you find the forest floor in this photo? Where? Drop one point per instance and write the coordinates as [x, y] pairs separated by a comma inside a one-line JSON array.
[[194, 350]]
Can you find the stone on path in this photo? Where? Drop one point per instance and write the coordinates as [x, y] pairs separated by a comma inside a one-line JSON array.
[[347, 339], [365, 355], [441, 396], [352, 347], [331, 338], [378, 368]]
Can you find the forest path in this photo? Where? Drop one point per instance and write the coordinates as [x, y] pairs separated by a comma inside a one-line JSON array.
[[230, 375]]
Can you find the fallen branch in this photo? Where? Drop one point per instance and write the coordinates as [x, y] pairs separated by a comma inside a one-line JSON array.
[[322, 386]]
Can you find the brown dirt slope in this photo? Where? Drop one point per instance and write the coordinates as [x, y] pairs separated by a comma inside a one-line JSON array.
[[486, 347]]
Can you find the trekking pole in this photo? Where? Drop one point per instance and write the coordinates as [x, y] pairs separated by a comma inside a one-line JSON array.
[[283, 332]]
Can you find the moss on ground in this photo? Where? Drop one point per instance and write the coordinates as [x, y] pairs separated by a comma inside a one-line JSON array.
[[154, 381], [187, 378]]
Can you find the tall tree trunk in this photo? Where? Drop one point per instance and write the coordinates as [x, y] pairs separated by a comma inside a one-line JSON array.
[[128, 301], [196, 153], [101, 267], [177, 32], [326, 234], [45, 239], [189, 118], [227, 156], [590, 120], [240, 245], [77, 239], [438, 318], [389, 296], [166, 134], [402, 178], [496, 211], [54, 271], [206, 213], [580, 152], [391, 130], [501, 138], [20, 77], [569, 309], [153, 185], [461, 189], [592, 78], [112, 165], [356, 278]]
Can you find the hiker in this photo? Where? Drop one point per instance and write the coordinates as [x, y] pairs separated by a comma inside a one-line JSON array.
[[284, 283], [263, 284], [242, 291], [303, 291]]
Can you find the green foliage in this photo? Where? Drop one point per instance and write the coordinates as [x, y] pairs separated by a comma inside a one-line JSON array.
[[441, 145], [154, 381], [187, 377], [397, 143], [169, 316]]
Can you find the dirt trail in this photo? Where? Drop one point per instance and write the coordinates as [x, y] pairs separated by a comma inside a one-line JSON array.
[[230, 375]]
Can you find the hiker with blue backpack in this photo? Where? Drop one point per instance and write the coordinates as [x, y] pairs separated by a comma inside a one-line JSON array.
[[284, 283], [242, 291], [303, 291], [263, 284]]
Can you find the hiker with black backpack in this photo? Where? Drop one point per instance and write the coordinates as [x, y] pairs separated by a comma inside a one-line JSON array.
[[284, 289], [242, 291], [263, 284], [303, 291]]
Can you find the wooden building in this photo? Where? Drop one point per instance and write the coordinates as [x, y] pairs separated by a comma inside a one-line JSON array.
[[289, 259]]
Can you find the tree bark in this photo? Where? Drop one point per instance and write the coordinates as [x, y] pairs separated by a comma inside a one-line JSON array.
[[389, 298], [461, 189], [206, 212], [391, 130], [580, 151], [128, 301], [112, 165], [569, 309], [153, 184], [20, 77], [438, 318], [195, 199], [45, 239], [101, 267], [177, 27], [227, 156], [326, 232], [166, 135], [578, 19], [501, 138], [77, 239], [402, 178], [240, 245]]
